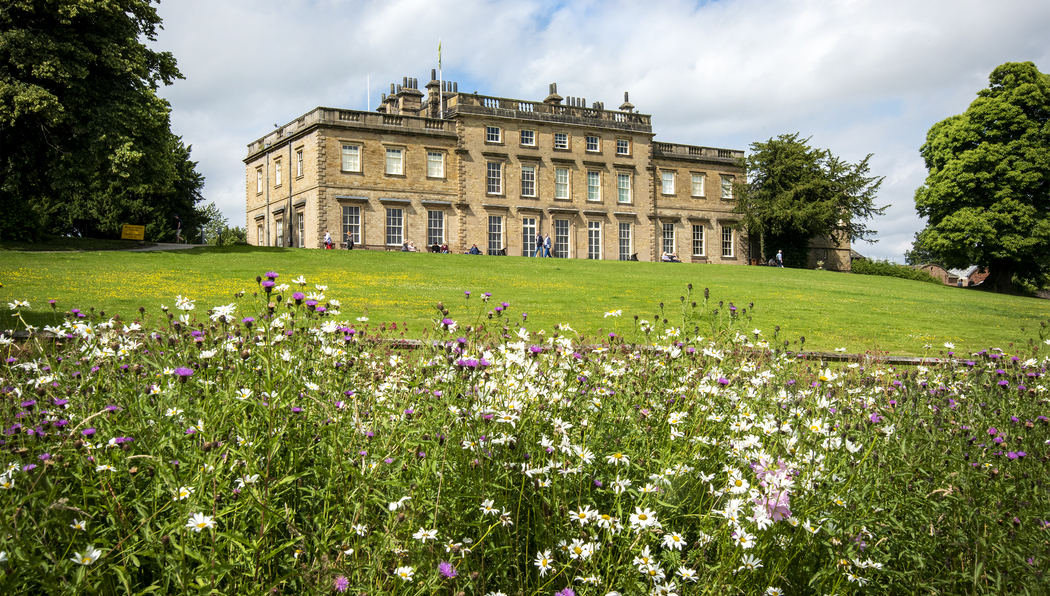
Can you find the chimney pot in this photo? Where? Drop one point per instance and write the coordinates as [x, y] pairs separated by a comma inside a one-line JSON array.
[[433, 74], [404, 81], [455, 87], [391, 89]]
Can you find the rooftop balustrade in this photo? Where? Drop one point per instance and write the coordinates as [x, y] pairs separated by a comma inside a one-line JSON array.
[[676, 150]]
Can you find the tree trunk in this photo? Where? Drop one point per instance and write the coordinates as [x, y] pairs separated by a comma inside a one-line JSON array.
[[1000, 277]]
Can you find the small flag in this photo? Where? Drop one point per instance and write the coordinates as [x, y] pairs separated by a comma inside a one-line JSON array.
[[439, 52]]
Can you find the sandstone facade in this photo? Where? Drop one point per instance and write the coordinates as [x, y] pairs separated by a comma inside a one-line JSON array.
[[464, 169]]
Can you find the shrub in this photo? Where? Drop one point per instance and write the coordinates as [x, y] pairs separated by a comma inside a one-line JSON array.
[[889, 269]]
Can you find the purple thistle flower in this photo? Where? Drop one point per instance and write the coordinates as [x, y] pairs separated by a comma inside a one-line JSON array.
[[467, 293], [87, 432], [446, 569], [341, 583], [298, 297], [271, 275], [565, 592], [268, 286], [29, 403]]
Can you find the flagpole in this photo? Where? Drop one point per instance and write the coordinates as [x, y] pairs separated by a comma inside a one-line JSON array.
[[368, 93], [441, 85]]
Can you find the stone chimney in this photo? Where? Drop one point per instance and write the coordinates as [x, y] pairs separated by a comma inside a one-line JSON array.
[[390, 103], [409, 98], [432, 107], [626, 106], [553, 98]]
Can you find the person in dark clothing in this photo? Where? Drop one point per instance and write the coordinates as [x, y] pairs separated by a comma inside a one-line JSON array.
[[474, 250], [539, 245]]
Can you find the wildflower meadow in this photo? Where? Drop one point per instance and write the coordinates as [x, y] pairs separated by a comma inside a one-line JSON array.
[[278, 445]]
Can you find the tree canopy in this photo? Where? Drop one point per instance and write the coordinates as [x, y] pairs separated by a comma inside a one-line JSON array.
[[795, 193], [86, 141], [987, 193]]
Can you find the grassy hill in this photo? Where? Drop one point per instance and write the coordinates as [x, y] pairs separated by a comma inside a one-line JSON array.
[[832, 310]]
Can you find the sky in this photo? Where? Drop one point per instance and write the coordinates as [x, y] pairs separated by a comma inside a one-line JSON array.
[[857, 77]]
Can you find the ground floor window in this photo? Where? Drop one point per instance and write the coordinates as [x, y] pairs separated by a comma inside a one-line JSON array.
[[561, 238], [495, 234], [698, 240], [528, 236], [279, 228], [625, 241], [669, 238], [259, 230], [352, 223], [727, 242], [395, 226], [300, 224], [435, 228], [594, 240]]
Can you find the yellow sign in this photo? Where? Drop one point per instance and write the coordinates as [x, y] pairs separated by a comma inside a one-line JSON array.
[[133, 233]]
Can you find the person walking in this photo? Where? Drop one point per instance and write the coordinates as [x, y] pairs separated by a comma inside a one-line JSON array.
[[327, 240], [547, 245], [349, 242], [539, 245], [780, 258], [178, 229]]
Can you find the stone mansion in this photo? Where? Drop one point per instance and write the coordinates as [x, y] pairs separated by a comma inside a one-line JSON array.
[[464, 169]]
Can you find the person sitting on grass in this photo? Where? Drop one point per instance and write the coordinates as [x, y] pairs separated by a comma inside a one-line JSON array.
[[474, 250], [444, 249]]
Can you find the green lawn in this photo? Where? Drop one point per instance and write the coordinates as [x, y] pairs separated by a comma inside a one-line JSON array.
[[832, 310]]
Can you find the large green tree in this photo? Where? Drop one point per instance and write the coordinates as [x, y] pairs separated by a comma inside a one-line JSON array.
[[987, 195], [795, 193], [85, 141], [920, 254]]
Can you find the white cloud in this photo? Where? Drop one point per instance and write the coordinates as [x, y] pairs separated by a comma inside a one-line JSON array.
[[858, 76]]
